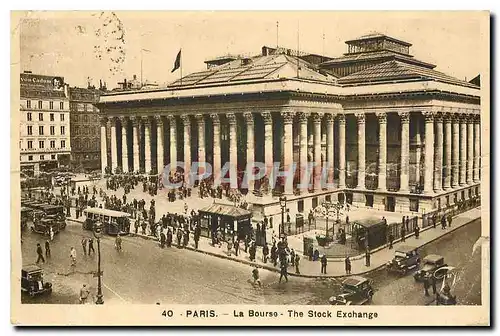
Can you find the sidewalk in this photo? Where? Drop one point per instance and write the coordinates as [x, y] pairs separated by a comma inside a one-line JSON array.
[[335, 267]]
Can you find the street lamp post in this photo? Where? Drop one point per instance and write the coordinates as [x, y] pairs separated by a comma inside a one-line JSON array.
[[97, 235], [327, 206], [283, 206]]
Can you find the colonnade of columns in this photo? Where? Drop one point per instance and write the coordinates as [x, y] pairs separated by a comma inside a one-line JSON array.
[[451, 145]]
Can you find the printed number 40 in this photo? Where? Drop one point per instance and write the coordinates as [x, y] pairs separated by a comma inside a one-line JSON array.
[[167, 313]]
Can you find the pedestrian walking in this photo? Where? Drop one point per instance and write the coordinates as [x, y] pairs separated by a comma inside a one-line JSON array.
[[347, 265], [292, 257], [324, 262], [91, 245], [274, 255], [39, 253], [367, 258], [47, 249], [283, 271], [236, 246], [443, 223], [163, 239], [265, 253], [391, 241], [169, 238], [84, 294], [426, 286], [84, 245], [297, 261], [403, 233], [51, 233], [72, 255], [417, 231], [449, 220], [433, 284]]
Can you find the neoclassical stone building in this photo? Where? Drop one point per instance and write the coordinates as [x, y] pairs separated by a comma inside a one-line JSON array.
[[399, 135]]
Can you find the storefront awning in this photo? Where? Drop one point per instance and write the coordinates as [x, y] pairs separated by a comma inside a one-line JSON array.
[[227, 211]]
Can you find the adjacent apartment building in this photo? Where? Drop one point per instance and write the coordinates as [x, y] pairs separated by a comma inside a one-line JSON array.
[[85, 131], [44, 141]]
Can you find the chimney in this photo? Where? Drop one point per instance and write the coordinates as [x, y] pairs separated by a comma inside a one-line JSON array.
[[264, 51]]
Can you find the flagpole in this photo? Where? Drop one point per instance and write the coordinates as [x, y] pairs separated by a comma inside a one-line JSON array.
[[180, 60], [298, 48]]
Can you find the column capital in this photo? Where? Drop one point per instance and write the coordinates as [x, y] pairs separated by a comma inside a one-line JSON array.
[[215, 118], [112, 119], [171, 117], [361, 117], [477, 118], [341, 119], [438, 117], [302, 116], [248, 117], [287, 116], [469, 118], [231, 118], [267, 117], [103, 120], [329, 117], [429, 116], [405, 117], [135, 120], [186, 119], [158, 119], [146, 120], [123, 119], [382, 117], [446, 118], [199, 118]]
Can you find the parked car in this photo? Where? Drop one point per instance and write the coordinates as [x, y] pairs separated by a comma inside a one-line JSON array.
[[32, 281], [405, 259], [356, 290], [433, 266]]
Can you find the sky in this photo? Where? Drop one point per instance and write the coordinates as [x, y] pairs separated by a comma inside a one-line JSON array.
[[65, 43]]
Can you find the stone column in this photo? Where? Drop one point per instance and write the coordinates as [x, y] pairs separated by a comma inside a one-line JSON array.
[[186, 121], [288, 148], [477, 147], [104, 146], [361, 119], [135, 142], [455, 152], [217, 149], [317, 151], [463, 151], [447, 153], [341, 151], [429, 152], [405, 151], [268, 141], [201, 137], [147, 144], [438, 153], [470, 148], [160, 164], [329, 146], [303, 147], [124, 164], [418, 151], [382, 151], [250, 144], [173, 141], [233, 143], [114, 148]]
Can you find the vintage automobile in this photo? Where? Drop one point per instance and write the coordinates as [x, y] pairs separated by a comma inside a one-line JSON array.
[[433, 266], [356, 290], [43, 225], [32, 281], [405, 259], [26, 217]]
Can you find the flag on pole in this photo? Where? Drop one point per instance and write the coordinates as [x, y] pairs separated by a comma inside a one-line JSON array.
[[177, 63]]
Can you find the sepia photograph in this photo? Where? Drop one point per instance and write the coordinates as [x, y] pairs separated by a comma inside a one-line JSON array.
[[250, 168]]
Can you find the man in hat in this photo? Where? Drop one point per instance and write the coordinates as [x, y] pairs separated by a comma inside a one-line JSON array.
[[324, 262], [84, 294]]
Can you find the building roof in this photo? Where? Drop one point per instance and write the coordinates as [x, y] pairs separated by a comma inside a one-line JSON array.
[[226, 210], [83, 94], [376, 35], [399, 71], [253, 68], [376, 55]]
